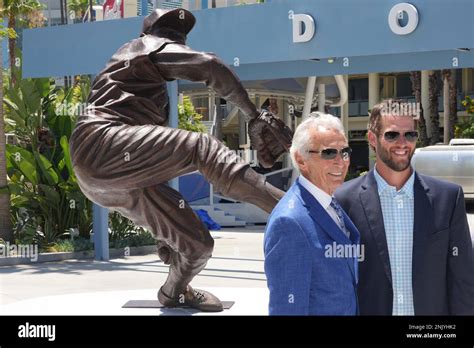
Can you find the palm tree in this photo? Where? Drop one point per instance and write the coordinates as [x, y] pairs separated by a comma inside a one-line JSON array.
[[415, 77], [434, 90], [79, 7], [6, 232], [449, 77], [453, 103], [15, 10]]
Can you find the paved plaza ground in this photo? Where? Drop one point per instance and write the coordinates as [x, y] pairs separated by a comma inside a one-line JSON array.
[[234, 273]]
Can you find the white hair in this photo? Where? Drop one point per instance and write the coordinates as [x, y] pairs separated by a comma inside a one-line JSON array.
[[302, 139]]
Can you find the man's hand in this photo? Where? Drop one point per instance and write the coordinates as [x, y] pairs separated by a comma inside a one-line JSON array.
[[270, 137]]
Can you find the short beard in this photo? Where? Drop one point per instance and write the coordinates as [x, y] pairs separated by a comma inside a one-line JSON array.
[[386, 158]]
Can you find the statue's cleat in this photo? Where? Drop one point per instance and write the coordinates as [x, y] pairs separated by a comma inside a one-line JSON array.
[[195, 298]]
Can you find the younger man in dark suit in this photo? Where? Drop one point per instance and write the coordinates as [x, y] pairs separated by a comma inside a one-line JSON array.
[[418, 249]]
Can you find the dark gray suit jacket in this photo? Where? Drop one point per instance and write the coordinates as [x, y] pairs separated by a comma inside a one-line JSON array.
[[443, 265]]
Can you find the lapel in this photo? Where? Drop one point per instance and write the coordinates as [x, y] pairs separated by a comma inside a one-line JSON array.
[[327, 224], [371, 204], [355, 239], [421, 230], [355, 235]]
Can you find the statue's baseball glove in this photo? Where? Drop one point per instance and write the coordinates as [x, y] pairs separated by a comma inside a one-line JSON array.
[[270, 137]]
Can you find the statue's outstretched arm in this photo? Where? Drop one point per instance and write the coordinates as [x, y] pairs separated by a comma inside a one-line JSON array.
[[177, 61]]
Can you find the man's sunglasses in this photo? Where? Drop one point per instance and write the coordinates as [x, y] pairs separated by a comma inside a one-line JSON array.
[[329, 154], [392, 136]]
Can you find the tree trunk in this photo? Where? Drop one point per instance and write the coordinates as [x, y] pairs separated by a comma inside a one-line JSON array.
[[11, 49], [415, 77], [434, 91], [446, 76], [6, 232], [453, 102]]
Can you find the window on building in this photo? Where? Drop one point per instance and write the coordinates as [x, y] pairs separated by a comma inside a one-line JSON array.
[[359, 89], [404, 85]]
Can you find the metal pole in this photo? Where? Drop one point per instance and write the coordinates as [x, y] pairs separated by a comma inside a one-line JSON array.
[[100, 228], [173, 118], [101, 232]]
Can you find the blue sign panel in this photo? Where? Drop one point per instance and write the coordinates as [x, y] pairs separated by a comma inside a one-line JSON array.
[[280, 31]]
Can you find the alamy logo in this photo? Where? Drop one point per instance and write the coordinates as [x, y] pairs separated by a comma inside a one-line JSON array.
[[401, 109], [37, 331], [21, 250], [336, 250]]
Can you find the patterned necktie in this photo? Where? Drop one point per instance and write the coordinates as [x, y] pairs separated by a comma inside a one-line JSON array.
[[340, 216]]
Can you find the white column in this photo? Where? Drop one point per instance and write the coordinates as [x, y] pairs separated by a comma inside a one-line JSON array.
[[321, 97], [374, 89], [425, 74], [465, 80], [211, 102], [308, 99], [374, 98], [345, 109]]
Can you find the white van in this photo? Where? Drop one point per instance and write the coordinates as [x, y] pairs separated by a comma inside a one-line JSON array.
[[453, 162]]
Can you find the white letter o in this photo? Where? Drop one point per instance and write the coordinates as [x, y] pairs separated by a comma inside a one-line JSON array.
[[412, 18]]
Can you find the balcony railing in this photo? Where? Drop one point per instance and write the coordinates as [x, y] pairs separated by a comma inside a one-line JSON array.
[[358, 108]]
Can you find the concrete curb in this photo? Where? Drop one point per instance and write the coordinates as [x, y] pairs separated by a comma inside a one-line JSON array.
[[76, 255]]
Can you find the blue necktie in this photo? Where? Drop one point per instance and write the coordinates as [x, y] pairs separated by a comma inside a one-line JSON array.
[[340, 216]]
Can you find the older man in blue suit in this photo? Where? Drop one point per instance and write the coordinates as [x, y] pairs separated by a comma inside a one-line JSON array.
[[311, 245]]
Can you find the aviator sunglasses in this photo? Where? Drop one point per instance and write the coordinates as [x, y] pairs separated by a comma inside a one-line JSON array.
[[392, 136], [329, 154]]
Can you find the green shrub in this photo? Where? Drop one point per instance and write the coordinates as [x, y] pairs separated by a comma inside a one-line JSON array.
[[67, 245], [188, 118], [46, 200], [466, 128], [142, 238]]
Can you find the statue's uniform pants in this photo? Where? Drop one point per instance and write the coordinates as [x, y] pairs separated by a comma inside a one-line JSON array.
[[126, 168]]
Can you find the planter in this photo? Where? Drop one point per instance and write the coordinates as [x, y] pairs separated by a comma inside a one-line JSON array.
[[77, 255]]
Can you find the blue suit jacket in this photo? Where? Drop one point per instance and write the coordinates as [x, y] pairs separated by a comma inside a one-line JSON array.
[[304, 274], [442, 265]]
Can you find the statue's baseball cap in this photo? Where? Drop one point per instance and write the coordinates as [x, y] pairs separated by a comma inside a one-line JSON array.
[[178, 19]]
